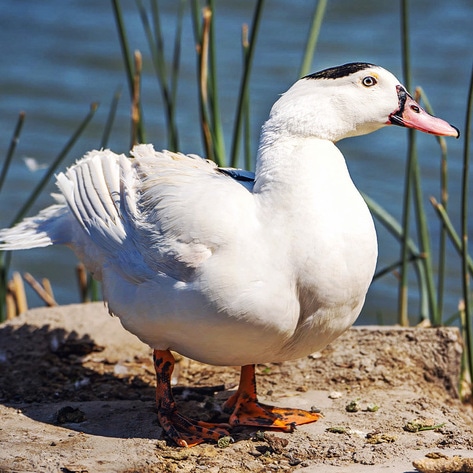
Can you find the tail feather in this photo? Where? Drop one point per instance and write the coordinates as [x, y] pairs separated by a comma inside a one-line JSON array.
[[90, 198], [46, 228]]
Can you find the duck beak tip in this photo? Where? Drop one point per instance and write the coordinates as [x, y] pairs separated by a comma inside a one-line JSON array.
[[411, 115], [457, 130]]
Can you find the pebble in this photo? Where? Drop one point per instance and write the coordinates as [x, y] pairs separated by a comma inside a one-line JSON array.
[[335, 395]]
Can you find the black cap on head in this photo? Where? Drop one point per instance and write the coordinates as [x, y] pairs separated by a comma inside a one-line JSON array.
[[339, 71]]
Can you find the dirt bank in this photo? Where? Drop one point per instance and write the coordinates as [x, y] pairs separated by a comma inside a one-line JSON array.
[[77, 395]]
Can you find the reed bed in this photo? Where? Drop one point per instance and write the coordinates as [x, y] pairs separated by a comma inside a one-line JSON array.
[[411, 231]]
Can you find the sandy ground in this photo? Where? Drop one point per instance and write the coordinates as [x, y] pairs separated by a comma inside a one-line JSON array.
[[77, 395]]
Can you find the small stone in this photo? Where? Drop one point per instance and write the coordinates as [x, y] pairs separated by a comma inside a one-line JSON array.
[[353, 406], [68, 414], [74, 469], [337, 430], [224, 442], [335, 395], [372, 408], [378, 438], [277, 444], [444, 465]]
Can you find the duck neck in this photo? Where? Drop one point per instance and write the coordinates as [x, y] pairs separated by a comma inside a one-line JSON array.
[[305, 163]]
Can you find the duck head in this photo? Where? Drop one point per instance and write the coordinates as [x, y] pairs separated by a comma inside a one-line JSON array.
[[350, 100]]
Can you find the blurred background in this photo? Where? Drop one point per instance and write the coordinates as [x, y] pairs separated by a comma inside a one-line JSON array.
[[59, 56]]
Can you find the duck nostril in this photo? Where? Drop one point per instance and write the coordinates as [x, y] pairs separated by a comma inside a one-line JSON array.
[[415, 108]]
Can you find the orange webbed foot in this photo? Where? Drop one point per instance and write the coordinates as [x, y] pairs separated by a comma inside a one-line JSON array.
[[246, 410], [183, 431], [187, 432]]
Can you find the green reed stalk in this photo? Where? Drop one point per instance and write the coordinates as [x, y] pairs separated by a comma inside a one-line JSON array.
[[427, 292], [390, 223], [313, 37], [451, 232], [60, 157], [393, 267], [246, 106], [12, 147], [442, 257], [136, 100], [195, 17], [453, 319], [123, 43], [3, 286], [414, 255], [5, 258], [403, 283], [430, 294], [244, 84], [158, 59], [127, 58], [413, 192], [464, 231], [203, 69], [176, 61], [110, 119], [211, 123], [443, 235], [156, 45], [218, 139]]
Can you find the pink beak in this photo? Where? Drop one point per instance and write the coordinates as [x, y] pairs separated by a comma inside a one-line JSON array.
[[411, 115]]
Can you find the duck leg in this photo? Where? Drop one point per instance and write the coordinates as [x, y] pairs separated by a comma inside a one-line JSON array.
[[248, 411], [183, 431]]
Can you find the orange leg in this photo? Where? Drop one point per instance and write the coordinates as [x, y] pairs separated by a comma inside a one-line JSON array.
[[248, 411], [183, 431]]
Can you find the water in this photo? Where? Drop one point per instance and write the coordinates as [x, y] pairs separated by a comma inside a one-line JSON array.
[[61, 55]]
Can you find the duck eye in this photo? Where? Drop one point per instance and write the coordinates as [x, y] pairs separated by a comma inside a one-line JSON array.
[[369, 81]]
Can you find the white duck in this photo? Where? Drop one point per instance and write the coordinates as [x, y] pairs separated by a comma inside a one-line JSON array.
[[205, 262]]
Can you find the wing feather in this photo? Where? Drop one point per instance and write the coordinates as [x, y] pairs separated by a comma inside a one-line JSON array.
[[155, 213]]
